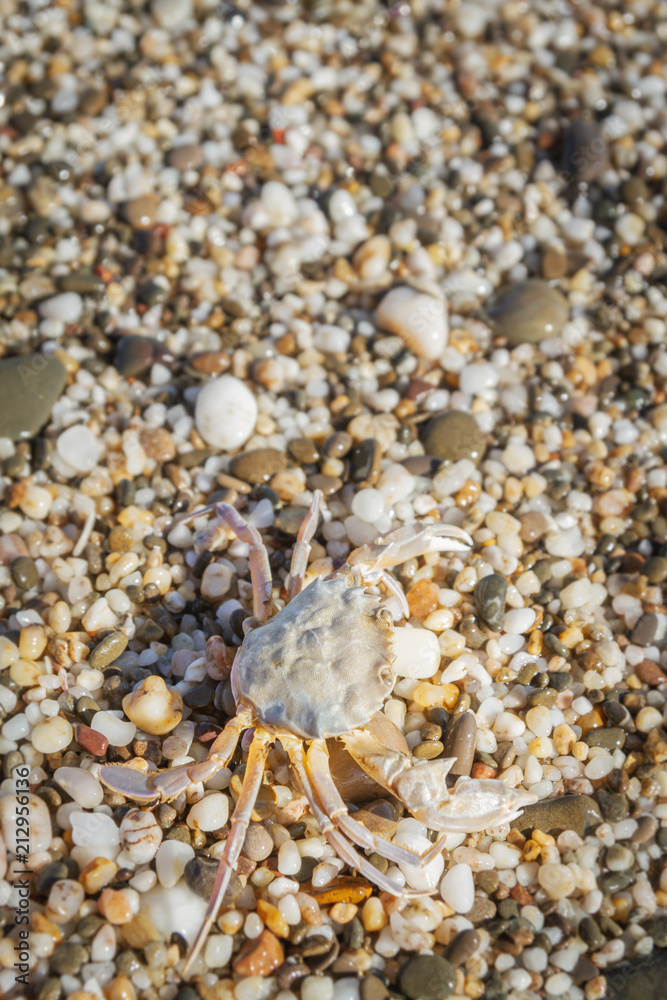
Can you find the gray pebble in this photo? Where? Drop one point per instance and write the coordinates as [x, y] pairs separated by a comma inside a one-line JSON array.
[[569, 812], [646, 630], [427, 977], [530, 312], [462, 947], [258, 843], [459, 742], [453, 436], [200, 874], [108, 650], [24, 573], [490, 595], [29, 386]]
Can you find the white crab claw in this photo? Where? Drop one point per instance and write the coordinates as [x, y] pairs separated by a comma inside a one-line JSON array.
[[408, 542], [473, 805]]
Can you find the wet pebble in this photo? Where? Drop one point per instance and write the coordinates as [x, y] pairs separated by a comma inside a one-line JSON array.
[[530, 312], [108, 650], [258, 466], [454, 436], [29, 386], [427, 977], [490, 597]]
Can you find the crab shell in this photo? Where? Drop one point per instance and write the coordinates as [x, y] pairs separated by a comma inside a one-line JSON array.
[[322, 666]]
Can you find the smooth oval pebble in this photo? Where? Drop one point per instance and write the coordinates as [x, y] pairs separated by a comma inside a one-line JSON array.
[[79, 447], [12, 822], [417, 653], [52, 735], [80, 785], [153, 707], [454, 435], [225, 413], [417, 318], [118, 732], [458, 888], [170, 861], [530, 312], [210, 813], [140, 835]]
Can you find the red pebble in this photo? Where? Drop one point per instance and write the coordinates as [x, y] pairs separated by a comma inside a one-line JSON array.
[[91, 740]]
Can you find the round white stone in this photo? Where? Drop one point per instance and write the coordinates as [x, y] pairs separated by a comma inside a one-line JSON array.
[[458, 888], [417, 653], [368, 505], [118, 732], [225, 413], [210, 813], [170, 861], [418, 319], [79, 447], [66, 307], [52, 735], [80, 785]]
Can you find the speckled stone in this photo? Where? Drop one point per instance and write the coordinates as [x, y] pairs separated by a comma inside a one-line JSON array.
[[462, 947], [200, 876], [529, 312], [259, 465], [490, 595], [569, 812], [453, 436], [29, 386], [427, 977], [108, 650]]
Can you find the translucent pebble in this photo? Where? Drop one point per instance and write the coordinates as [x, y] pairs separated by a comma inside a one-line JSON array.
[[52, 735], [289, 859], [117, 731], [599, 766], [368, 505], [504, 855], [427, 877], [418, 319], [507, 726], [417, 653], [210, 813], [225, 413], [218, 950], [519, 620], [16, 728], [458, 888], [66, 307], [557, 880], [140, 835], [323, 874], [65, 899], [79, 447], [170, 861], [82, 786]]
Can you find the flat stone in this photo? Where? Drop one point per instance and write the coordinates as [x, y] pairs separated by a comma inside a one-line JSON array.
[[108, 650], [304, 451], [490, 595], [586, 151], [459, 742], [258, 466], [529, 312], [29, 386], [24, 573], [68, 958], [453, 436], [427, 977], [643, 980], [82, 282], [612, 738], [569, 812], [645, 630]]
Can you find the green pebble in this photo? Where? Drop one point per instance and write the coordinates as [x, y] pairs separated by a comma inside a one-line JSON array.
[[108, 650]]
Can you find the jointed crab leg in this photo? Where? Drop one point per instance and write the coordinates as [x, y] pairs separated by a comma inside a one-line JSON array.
[[405, 543], [260, 571], [318, 768], [341, 845], [240, 819], [301, 549]]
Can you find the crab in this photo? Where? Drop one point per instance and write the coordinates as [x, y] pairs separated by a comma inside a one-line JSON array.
[[321, 668]]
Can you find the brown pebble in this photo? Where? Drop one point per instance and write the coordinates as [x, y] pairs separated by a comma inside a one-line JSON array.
[[211, 362], [459, 742], [141, 212], [428, 750], [260, 956], [120, 539], [304, 451], [423, 598], [345, 889], [157, 443], [98, 873], [650, 673], [327, 484], [259, 465], [119, 988], [92, 741]]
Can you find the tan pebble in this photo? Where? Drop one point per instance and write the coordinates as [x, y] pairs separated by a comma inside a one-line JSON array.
[[42, 925], [429, 695], [98, 873], [342, 913], [564, 739], [273, 918], [288, 483], [115, 906], [153, 707], [82, 995], [423, 598], [140, 931], [32, 642], [60, 617], [571, 637], [344, 889], [119, 988], [260, 956], [373, 916], [157, 443]]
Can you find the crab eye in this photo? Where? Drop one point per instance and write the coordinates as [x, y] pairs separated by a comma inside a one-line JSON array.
[[386, 675], [383, 614]]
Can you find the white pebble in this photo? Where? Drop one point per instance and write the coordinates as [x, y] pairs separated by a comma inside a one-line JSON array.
[[66, 307], [417, 653], [170, 861], [118, 732], [80, 785], [458, 888], [13, 823], [424, 878], [368, 505], [52, 735], [225, 413], [519, 620], [289, 859], [210, 813], [140, 835], [79, 447], [418, 319]]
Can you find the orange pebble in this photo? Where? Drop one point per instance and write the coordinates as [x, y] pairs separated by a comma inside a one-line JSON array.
[[115, 906], [423, 598], [260, 956]]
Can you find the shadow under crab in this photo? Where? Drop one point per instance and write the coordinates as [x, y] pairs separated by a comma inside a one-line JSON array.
[[321, 668]]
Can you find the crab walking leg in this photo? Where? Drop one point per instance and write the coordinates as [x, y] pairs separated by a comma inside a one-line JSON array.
[[260, 571], [474, 804], [168, 784], [245, 804], [342, 846], [318, 766], [301, 551]]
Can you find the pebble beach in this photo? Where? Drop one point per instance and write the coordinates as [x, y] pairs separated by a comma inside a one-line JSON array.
[[412, 257]]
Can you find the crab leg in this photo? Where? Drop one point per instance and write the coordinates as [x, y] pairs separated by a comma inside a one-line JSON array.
[[260, 571], [175, 780], [245, 803], [301, 550], [473, 805], [342, 846], [406, 543], [318, 767]]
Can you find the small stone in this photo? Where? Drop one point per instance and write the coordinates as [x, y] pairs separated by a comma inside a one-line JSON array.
[[458, 889], [200, 874], [529, 312], [137, 354], [52, 735], [80, 785], [586, 152], [188, 156], [453, 436], [115, 907], [490, 596], [258, 843], [289, 520], [655, 569], [646, 629], [260, 956], [462, 947], [647, 671], [418, 319], [225, 413], [79, 447], [365, 462], [140, 835], [47, 876], [68, 958], [258, 466], [612, 738], [427, 977], [141, 212], [304, 451], [612, 882], [422, 598], [459, 742], [96, 874], [157, 443], [94, 743], [554, 263], [153, 707], [643, 979], [66, 307], [24, 573], [569, 812], [29, 386], [108, 650]]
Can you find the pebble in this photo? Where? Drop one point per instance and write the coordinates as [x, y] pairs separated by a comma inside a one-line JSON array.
[[153, 707], [210, 813], [66, 307], [260, 956], [258, 466], [52, 735], [570, 812], [11, 821], [141, 212], [116, 731], [427, 977], [80, 785], [258, 843], [225, 413], [462, 947], [530, 312], [490, 598], [458, 889], [418, 319], [586, 152], [140, 836], [79, 447], [136, 354], [29, 386], [24, 573], [459, 742], [417, 653], [453, 436], [108, 650], [171, 860], [645, 631]]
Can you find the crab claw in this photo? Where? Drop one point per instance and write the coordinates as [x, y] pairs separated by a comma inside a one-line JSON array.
[[408, 542], [473, 805], [162, 786], [128, 781]]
